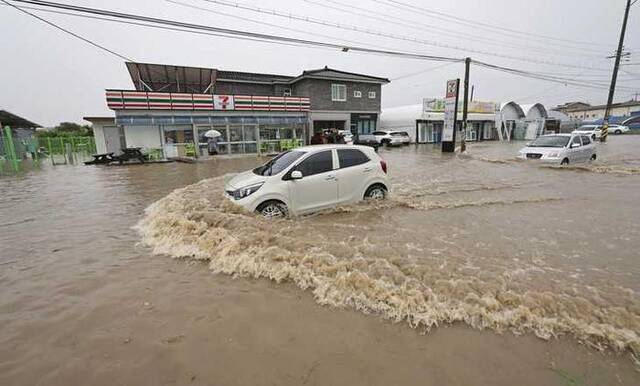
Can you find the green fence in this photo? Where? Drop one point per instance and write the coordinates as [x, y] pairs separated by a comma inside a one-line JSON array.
[[17, 149], [57, 145]]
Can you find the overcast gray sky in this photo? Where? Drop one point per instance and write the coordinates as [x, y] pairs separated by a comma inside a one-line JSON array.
[[48, 76]]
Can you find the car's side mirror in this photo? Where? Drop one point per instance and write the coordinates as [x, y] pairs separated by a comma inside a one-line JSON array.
[[296, 175]]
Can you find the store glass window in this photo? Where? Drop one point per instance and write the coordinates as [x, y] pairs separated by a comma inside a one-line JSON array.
[[249, 133], [178, 134]]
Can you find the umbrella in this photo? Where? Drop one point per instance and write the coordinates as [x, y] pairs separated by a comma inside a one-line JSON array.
[[212, 134]]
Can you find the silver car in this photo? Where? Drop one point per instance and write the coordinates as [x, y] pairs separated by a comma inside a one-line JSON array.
[[560, 149]]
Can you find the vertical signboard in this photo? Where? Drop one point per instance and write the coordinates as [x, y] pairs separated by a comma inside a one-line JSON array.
[[450, 116]]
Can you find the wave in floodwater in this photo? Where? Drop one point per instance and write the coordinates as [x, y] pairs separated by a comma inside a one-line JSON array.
[[345, 265]]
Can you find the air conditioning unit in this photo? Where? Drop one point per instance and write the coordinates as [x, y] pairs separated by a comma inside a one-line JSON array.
[[286, 92]]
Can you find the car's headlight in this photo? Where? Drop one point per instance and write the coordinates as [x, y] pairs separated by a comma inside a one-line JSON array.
[[246, 191]]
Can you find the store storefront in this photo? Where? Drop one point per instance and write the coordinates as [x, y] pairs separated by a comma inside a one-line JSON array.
[[260, 128]]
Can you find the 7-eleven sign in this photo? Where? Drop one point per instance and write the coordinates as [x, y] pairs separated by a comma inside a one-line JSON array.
[[223, 102]]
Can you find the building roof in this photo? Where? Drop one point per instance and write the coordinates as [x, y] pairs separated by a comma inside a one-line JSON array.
[[330, 73], [515, 106], [532, 107], [570, 105], [171, 78], [14, 121], [99, 119], [630, 103]]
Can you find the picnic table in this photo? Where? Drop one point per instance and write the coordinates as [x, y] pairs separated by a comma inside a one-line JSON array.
[[129, 154], [100, 159]]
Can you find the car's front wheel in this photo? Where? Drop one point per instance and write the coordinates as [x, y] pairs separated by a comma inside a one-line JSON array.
[[376, 192], [272, 209], [618, 132], [565, 161]]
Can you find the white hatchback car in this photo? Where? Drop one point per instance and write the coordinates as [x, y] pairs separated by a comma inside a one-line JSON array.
[[311, 178], [560, 149], [392, 137]]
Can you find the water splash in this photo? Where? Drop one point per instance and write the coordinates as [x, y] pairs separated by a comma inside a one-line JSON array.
[[399, 281]]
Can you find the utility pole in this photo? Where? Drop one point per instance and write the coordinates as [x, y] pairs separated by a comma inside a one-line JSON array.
[[614, 77], [465, 106]]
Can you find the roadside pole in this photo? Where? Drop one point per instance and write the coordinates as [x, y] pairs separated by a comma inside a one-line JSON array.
[[465, 106], [614, 77]]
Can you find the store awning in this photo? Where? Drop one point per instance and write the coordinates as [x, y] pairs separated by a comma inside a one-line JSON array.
[[141, 120]]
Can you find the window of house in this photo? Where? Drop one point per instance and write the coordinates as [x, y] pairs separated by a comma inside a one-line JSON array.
[[372, 95], [338, 92], [357, 94]]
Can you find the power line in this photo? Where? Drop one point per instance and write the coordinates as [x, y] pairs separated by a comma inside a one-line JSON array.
[[75, 35], [533, 75], [196, 28], [404, 22], [255, 35], [420, 72], [265, 23], [166, 28], [477, 24], [273, 12]]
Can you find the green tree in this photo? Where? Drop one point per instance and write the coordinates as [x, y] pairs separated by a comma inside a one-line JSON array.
[[68, 129]]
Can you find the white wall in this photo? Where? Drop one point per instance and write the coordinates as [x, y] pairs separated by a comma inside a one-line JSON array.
[[98, 135], [146, 137]]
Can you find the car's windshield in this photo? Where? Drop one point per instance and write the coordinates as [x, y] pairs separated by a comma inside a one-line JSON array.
[[550, 141], [278, 163]]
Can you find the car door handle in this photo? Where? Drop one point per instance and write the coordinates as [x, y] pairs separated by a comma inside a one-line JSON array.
[[329, 178], [367, 169]]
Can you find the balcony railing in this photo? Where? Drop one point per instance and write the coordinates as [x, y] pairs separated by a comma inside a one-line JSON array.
[[147, 100]]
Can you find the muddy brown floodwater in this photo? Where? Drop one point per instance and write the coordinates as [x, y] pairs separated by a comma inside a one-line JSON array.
[[479, 270]]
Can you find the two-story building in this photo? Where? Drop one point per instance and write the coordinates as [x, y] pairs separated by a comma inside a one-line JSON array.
[[172, 107]]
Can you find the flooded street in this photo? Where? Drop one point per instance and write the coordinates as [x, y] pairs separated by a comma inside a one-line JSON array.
[[479, 269]]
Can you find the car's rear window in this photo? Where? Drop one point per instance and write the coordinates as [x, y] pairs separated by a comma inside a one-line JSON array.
[[585, 140], [351, 157]]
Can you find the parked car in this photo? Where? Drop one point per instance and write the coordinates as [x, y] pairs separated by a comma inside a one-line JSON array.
[[347, 135], [311, 178], [392, 137], [560, 149], [366, 140], [595, 131]]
